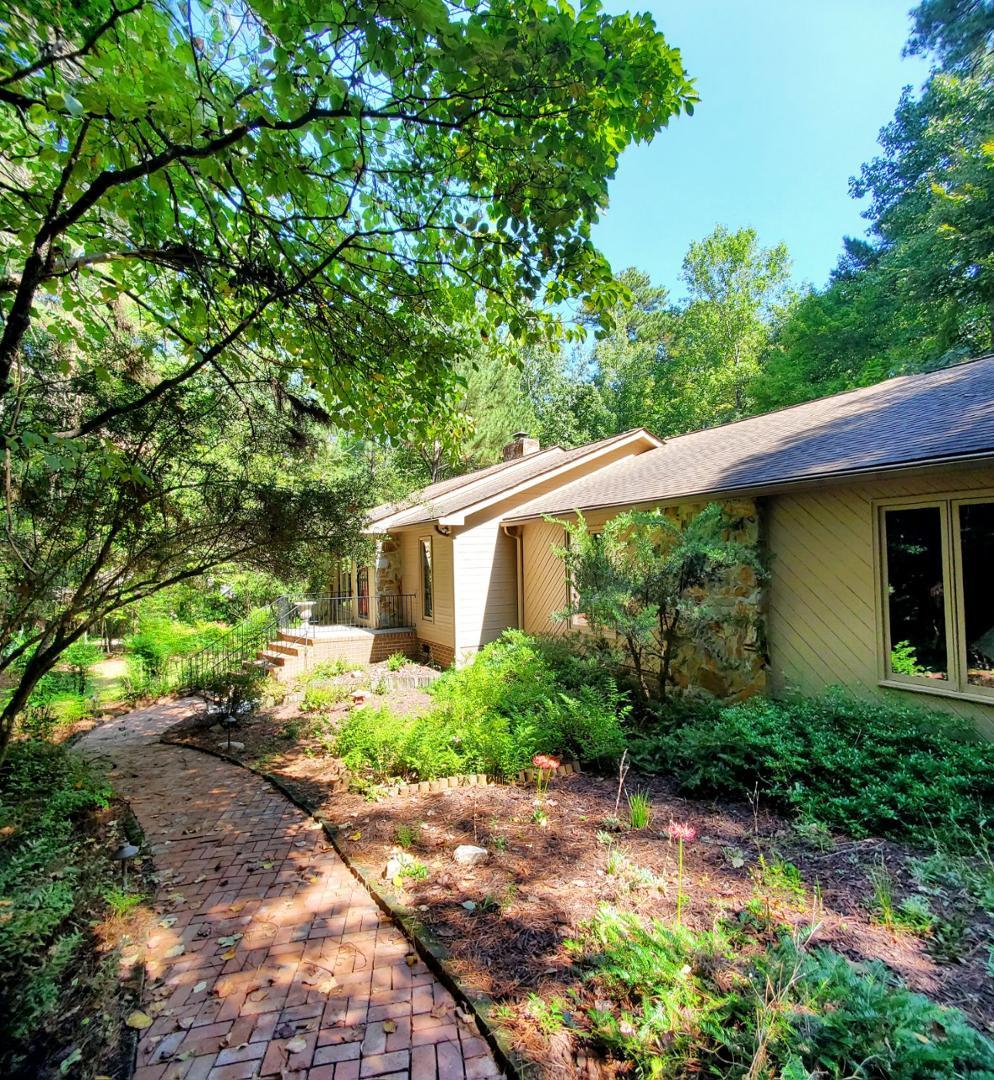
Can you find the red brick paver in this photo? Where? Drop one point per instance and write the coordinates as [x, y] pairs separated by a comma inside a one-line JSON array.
[[269, 958]]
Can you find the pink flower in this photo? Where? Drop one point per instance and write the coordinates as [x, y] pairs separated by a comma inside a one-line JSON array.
[[545, 761], [679, 830]]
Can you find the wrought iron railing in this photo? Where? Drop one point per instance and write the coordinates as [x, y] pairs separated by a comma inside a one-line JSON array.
[[378, 611], [238, 646]]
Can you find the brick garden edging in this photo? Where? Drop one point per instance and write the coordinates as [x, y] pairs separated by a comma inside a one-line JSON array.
[[428, 947], [443, 783]]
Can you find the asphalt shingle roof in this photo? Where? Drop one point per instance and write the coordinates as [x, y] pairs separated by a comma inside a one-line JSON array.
[[913, 419], [460, 492]]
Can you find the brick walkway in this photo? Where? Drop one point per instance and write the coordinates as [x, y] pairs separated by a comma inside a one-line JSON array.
[[269, 959]]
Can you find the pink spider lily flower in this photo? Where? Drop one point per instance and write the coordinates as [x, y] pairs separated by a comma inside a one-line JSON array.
[[679, 830]]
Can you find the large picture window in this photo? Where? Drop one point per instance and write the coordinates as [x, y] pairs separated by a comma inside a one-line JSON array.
[[427, 583], [938, 595]]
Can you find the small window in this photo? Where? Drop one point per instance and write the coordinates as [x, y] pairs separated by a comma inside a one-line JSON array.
[[427, 585], [916, 593], [362, 591]]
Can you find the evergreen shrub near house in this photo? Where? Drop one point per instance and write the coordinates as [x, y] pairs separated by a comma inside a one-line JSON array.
[[667, 587], [518, 698], [862, 767]]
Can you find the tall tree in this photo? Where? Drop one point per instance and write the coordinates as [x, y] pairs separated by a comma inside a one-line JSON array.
[[569, 407], [932, 197], [861, 328], [632, 354], [738, 293], [213, 473], [334, 184], [957, 32]]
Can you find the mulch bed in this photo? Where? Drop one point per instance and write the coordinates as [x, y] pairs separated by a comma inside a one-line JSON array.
[[505, 922]]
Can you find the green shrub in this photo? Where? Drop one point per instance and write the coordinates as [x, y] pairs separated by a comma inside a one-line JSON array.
[[79, 658], [492, 716], [49, 884], [397, 660], [320, 696], [865, 768], [523, 696], [721, 1004], [327, 669], [160, 639]]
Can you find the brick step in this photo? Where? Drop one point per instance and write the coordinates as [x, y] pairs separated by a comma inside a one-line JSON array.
[[271, 658], [282, 647]]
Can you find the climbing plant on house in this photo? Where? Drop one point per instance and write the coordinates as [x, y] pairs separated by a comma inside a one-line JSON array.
[[648, 578]]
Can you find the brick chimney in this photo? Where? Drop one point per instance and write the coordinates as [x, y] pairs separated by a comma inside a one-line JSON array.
[[521, 445]]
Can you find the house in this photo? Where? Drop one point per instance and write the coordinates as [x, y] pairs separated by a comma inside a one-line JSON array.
[[445, 557], [875, 508]]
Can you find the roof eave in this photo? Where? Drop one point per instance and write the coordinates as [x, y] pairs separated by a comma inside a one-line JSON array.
[[771, 487], [638, 435]]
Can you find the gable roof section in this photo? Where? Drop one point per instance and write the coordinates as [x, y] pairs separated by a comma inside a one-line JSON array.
[[450, 501], [940, 416]]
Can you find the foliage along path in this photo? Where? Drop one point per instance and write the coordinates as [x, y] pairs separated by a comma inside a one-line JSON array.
[[268, 958]]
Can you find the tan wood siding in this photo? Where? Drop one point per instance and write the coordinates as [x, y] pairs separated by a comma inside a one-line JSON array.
[[822, 606], [486, 582], [544, 577], [544, 573], [822, 623], [441, 627]]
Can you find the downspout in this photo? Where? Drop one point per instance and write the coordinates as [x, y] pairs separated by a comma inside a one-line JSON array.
[[514, 531]]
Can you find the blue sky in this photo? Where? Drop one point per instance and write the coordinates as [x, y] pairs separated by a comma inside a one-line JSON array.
[[793, 95]]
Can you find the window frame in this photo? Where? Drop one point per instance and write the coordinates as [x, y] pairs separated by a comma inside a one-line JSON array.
[[956, 685], [429, 593]]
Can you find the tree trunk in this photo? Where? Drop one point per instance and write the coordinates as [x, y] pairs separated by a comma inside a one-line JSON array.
[[44, 658], [34, 670], [668, 635]]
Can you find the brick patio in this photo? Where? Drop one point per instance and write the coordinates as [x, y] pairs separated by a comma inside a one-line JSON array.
[[269, 959]]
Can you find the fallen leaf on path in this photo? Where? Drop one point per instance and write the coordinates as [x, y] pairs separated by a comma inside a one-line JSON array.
[[139, 1020]]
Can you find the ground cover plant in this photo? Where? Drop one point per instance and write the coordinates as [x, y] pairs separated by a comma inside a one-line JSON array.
[[727, 1002], [514, 701], [61, 1001], [868, 769], [750, 881]]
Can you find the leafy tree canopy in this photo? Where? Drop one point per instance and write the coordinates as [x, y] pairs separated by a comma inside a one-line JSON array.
[[345, 187]]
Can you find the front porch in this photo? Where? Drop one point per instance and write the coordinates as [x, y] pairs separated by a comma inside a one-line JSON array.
[[319, 615], [363, 629]]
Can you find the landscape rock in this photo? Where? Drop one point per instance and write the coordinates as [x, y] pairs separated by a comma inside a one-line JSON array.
[[470, 855]]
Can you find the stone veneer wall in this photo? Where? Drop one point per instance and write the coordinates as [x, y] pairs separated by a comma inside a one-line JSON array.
[[387, 573], [737, 668]]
